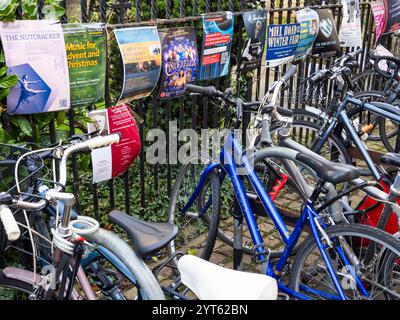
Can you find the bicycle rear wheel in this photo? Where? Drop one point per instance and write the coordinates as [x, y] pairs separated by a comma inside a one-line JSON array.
[[199, 224], [379, 275]]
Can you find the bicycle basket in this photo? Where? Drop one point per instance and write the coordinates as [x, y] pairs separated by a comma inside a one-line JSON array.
[[29, 169]]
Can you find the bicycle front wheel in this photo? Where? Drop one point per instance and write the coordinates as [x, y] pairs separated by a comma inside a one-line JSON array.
[[379, 273]]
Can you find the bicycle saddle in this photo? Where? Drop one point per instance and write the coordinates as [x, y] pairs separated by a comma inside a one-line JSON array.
[[211, 282], [391, 158], [147, 237], [329, 171]]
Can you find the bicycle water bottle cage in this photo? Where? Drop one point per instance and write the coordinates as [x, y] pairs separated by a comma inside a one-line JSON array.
[[256, 256]]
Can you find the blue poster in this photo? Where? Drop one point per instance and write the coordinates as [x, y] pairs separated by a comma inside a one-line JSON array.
[[309, 25], [217, 42], [282, 43]]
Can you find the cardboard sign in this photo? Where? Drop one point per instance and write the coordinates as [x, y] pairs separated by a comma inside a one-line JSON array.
[[35, 52], [112, 161]]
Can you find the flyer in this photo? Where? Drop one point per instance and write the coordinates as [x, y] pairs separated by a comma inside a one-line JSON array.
[[35, 52], [282, 42], [216, 47], [114, 160], [350, 28], [255, 23], [378, 11], [180, 61], [309, 25], [327, 42], [86, 55], [141, 55]]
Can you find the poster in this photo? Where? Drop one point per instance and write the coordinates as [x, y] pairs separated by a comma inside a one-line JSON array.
[[112, 161], [180, 61], [392, 16], [378, 11], [282, 42], [309, 25], [255, 23], [327, 42], [141, 55], [350, 28], [86, 55], [35, 52], [216, 47]]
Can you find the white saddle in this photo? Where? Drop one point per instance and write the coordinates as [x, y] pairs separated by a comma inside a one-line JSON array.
[[211, 282]]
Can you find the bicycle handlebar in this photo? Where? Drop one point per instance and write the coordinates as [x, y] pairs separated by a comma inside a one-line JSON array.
[[10, 225], [54, 194], [377, 59]]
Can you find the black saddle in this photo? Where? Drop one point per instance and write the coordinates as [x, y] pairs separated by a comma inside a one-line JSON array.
[[329, 171], [391, 158], [147, 237]]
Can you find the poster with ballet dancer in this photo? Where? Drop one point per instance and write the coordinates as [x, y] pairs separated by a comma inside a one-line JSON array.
[[350, 28], [180, 61], [141, 55], [35, 52]]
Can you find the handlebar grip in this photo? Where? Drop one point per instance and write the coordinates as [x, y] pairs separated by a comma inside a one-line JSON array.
[[10, 225], [317, 76], [289, 73], [206, 91], [265, 136], [103, 141], [356, 53]]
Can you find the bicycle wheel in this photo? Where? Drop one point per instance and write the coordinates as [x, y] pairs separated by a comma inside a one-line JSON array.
[[198, 226], [378, 275], [369, 80], [305, 129]]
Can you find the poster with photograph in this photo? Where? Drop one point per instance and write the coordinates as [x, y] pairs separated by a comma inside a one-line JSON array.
[[86, 55], [141, 55], [216, 47], [392, 16], [350, 28], [112, 161], [255, 23], [282, 42], [327, 42], [35, 52], [309, 25], [378, 11], [180, 61]]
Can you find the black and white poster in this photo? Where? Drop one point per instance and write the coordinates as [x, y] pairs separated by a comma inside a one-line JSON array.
[[327, 42], [350, 28], [255, 23]]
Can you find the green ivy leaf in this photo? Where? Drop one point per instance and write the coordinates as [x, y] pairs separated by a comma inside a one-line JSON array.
[[8, 81], [60, 117], [23, 123], [4, 93]]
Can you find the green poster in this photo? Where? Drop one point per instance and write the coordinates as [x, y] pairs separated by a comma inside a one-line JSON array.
[[86, 55]]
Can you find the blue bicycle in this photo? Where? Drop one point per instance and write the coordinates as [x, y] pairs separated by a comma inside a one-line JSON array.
[[332, 262]]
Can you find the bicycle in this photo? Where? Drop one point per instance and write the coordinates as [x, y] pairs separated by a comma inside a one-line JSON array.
[[324, 232]]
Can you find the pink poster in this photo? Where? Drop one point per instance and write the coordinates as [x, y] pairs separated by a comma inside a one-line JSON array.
[[378, 10], [112, 161]]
